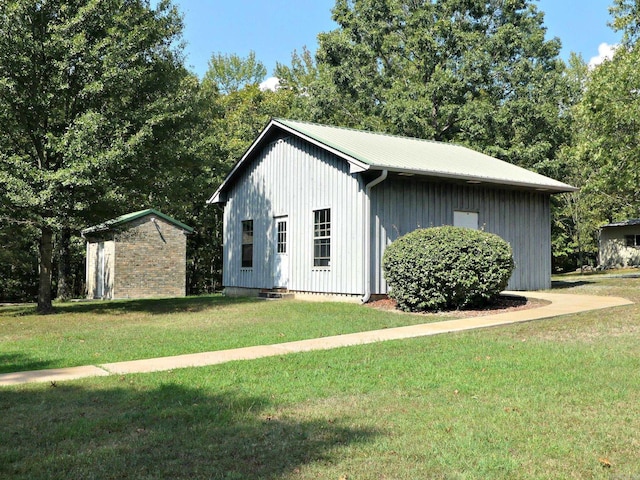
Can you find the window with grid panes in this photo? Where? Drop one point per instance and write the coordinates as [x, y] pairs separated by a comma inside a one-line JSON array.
[[282, 237], [322, 238]]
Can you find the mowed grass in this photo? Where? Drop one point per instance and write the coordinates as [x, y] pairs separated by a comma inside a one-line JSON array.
[[102, 332], [556, 398]]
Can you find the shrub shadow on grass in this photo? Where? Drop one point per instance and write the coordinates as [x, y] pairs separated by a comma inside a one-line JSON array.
[[562, 284], [169, 431], [11, 362], [154, 306]]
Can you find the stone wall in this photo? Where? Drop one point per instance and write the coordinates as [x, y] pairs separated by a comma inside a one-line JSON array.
[[150, 259]]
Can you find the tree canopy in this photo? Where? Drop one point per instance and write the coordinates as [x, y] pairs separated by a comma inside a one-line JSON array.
[[98, 115], [476, 72], [231, 72], [89, 91], [607, 146]]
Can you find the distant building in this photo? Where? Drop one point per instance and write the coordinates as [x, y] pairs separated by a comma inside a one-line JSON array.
[[138, 255], [620, 244], [311, 208]]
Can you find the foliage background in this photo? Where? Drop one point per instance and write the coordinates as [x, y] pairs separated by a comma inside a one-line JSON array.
[[148, 133]]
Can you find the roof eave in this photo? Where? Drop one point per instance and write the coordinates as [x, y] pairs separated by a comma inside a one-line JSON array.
[[632, 222], [477, 180]]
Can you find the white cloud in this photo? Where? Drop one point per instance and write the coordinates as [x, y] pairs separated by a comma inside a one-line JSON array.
[[605, 52], [271, 83]]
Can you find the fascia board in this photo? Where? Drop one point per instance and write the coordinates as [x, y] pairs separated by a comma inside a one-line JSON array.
[[561, 188]]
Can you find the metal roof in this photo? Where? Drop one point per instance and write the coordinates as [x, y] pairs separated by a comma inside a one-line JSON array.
[[129, 217], [627, 223], [378, 151]]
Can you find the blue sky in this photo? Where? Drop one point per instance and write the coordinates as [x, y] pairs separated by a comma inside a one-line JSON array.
[[274, 29]]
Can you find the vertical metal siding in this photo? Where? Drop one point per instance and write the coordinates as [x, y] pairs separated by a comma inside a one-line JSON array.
[[291, 177], [521, 218]]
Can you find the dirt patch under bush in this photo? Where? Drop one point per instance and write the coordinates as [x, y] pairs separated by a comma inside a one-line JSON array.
[[504, 303]]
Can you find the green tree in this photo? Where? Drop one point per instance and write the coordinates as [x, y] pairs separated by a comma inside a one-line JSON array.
[[302, 79], [18, 262], [626, 19], [231, 72], [476, 72], [573, 242], [90, 93], [607, 145], [604, 156]]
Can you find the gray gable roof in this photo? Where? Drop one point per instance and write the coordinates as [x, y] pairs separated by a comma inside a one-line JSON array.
[[409, 156], [129, 217]]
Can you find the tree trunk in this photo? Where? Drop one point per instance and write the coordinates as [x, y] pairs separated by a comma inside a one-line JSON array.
[[64, 265], [46, 254]]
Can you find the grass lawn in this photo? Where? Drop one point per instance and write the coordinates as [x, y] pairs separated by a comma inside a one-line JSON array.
[[103, 332], [557, 398]]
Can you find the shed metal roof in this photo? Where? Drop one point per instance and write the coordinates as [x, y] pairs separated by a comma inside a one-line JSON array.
[[129, 217], [632, 222], [378, 151]]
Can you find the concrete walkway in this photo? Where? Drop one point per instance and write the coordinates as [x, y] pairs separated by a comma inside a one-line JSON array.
[[561, 304]]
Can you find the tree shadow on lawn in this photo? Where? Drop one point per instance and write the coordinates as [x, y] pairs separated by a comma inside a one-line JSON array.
[[11, 362], [166, 431], [153, 306]]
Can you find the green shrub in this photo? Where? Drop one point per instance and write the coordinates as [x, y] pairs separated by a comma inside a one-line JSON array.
[[446, 268]]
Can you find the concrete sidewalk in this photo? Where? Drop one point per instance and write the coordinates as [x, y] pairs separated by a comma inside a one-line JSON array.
[[561, 304]]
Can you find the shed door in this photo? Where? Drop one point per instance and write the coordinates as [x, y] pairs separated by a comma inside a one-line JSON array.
[[100, 271], [281, 257]]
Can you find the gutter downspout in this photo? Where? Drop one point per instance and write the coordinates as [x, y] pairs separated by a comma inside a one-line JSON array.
[[367, 233]]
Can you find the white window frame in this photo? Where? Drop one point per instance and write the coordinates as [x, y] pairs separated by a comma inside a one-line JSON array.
[[322, 238]]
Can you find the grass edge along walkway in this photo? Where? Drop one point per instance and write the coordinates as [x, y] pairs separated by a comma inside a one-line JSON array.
[[560, 304]]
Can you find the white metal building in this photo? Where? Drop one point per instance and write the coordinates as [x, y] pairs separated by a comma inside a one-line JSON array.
[[311, 208]]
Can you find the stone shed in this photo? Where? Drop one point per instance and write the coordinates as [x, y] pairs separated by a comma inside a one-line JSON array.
[[620, 244], [138, 255]]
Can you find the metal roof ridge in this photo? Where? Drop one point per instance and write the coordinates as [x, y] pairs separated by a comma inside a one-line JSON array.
[[381, 134], [553, 183], [129, 217]]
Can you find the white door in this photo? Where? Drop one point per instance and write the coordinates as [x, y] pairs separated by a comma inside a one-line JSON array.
[[100, 271], [281, 257]]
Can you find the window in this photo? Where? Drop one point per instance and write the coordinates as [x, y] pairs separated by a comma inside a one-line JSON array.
[[322, 238], [632, 240], [465, 219], [282, 237], [247, 244]]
